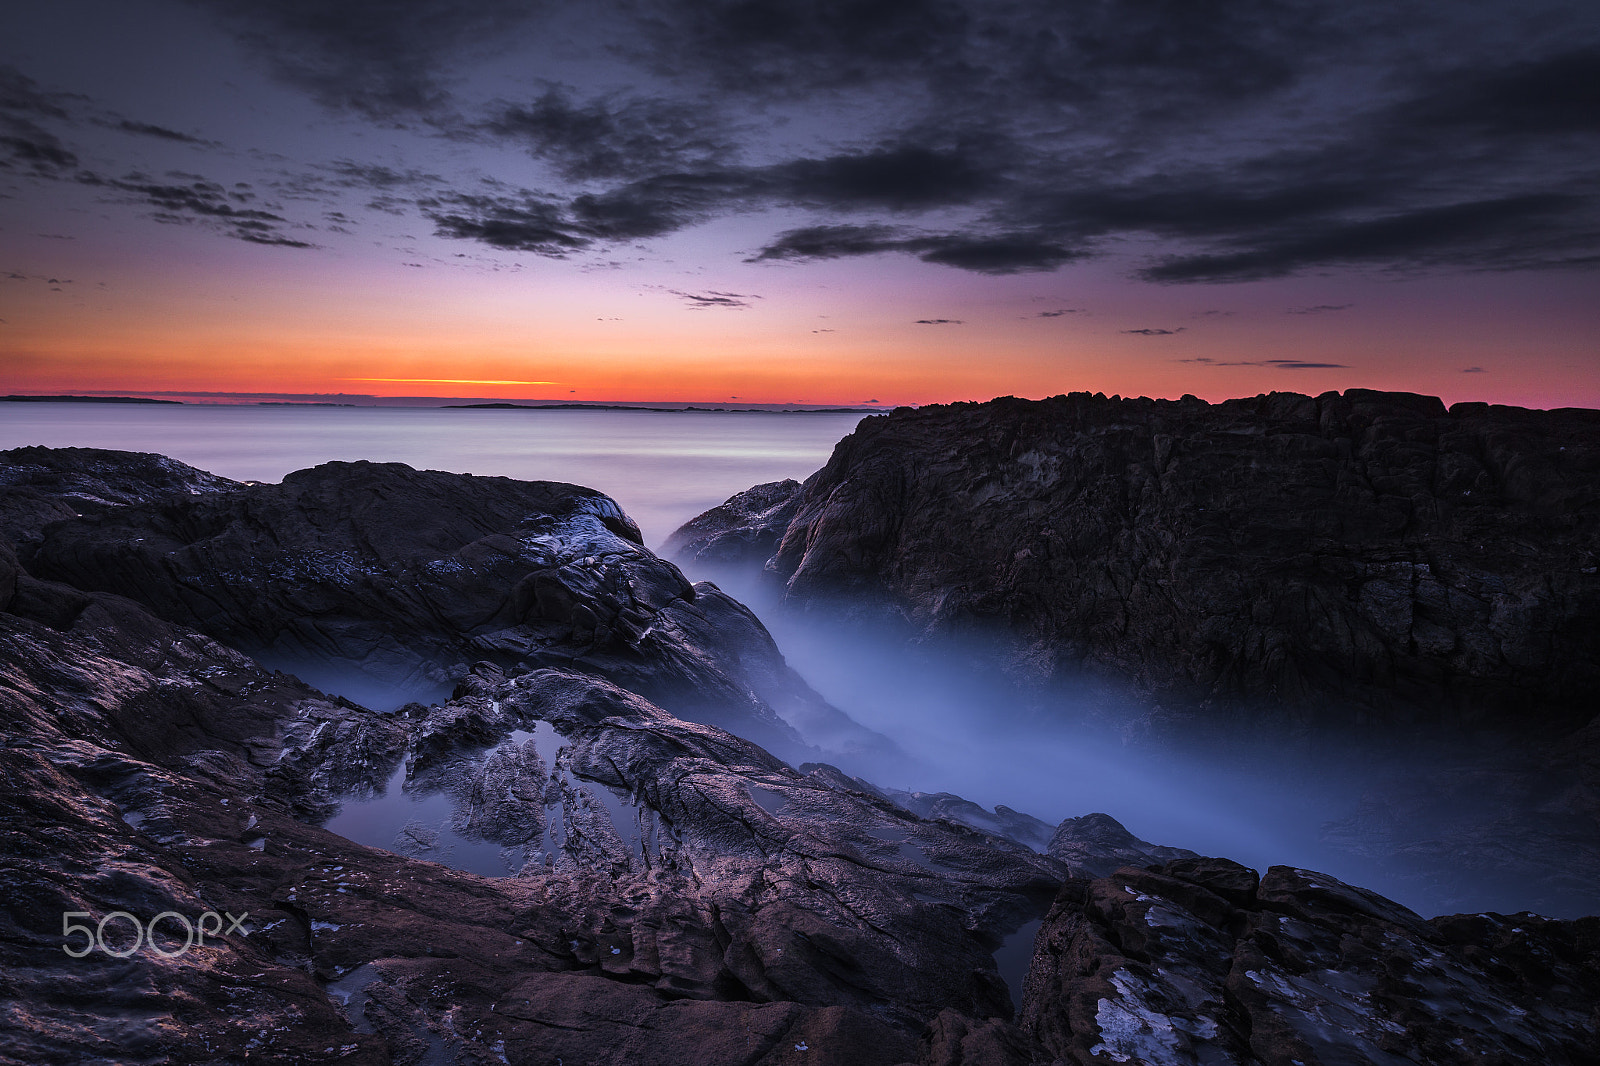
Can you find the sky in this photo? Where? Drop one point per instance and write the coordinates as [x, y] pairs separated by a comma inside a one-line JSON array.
[[836, 202]]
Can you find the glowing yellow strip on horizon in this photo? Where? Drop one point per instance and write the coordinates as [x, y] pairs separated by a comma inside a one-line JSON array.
[[454, 381]]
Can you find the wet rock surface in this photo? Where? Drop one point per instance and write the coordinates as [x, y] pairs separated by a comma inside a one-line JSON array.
[[1202, 961], [744, 909], [681, 893]]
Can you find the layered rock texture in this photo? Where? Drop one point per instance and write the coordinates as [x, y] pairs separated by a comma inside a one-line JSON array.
[[680, 894], [1360, 551]]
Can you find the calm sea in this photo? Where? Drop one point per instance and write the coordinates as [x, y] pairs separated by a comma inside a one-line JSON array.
[[662, 467]]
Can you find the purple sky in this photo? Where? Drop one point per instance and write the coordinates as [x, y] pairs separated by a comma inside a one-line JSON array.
[[906, 201]]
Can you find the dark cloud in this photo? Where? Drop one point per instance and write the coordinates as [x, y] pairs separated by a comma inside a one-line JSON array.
[[1319, 309], [1156, 332], [349, 174], [1005, 254], [611, 139], [146, 129], [519, 225], [1278, 364], [205, 202], [1296, 364], [20, 94], [1001, 254], [1473, 370], [899, 177], [1096, 52], [939, 322], [833, 242], [1231, 141], [1059, 312], [701, 300], [26, 146], [1505, 233], [1552, 94], [384, 58]]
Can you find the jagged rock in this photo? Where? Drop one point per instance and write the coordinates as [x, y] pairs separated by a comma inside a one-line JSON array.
[[1002, 821], [411, 576], [1195, 962], [1363, 549], [743, 530]]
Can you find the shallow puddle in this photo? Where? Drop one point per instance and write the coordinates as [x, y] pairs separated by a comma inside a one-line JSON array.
[[415, 824], [1014, 956], [428, 819]]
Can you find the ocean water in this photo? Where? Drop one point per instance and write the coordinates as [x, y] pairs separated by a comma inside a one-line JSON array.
[[663, 467]]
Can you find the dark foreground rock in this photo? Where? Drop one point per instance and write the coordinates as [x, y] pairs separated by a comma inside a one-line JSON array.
[[410, 576], [1201, 961], [1366, 550], [740, 911], [721, 908]]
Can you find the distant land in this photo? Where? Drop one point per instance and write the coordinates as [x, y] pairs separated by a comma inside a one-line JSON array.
[[83, 399]]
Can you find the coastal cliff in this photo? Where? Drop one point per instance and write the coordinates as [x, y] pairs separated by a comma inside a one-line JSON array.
[[1359, 554]]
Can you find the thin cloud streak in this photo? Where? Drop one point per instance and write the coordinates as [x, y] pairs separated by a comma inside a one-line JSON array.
[[454, 381]]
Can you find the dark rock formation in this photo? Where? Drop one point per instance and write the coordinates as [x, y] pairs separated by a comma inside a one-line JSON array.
[[43, 485], [742, 531], [744, 913], [1197, 962], [1363, 550], [411, 575], [1365, 564]]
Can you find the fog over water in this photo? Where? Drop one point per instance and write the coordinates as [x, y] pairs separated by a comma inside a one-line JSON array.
[[966, 730], [972, 731]]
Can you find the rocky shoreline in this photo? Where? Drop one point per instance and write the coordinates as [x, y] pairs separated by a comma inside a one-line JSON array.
[[1283, 573], [1359, 552], [695, 883]]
